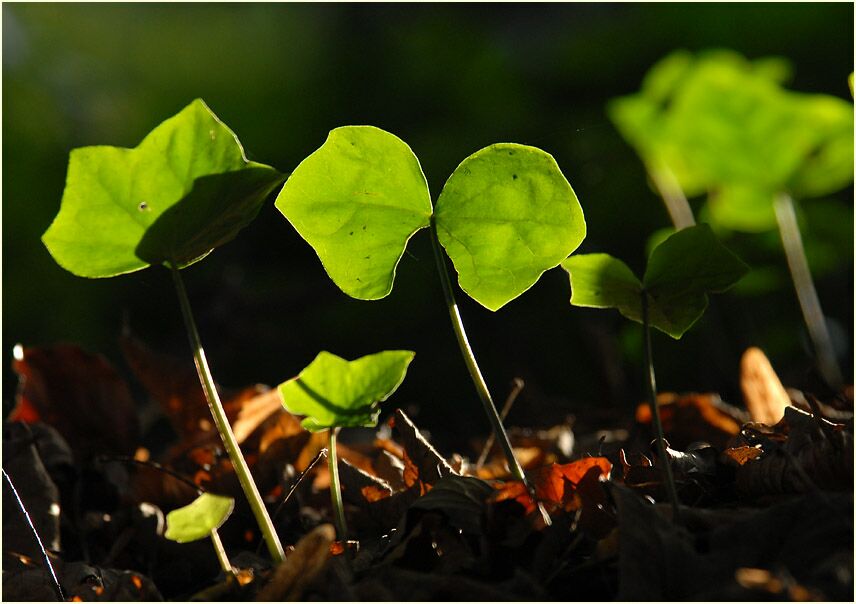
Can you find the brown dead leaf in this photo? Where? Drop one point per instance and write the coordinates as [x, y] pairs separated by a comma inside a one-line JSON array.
[[422, 464], [689, 418], [763, 393], [81, 395], [741, 455], [555, 483], [292, 576]]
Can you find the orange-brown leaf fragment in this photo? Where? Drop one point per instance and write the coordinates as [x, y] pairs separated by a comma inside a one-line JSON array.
[[763, 393], [550, 481]]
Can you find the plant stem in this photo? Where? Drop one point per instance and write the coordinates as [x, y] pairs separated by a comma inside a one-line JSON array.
[[651, 383], [806, 292], [335, 488], [470, 360], [55, 582], [222, 422], [673, 196], [221, 553]]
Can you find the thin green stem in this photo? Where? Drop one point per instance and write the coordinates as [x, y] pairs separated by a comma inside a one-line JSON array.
[[651, 383], [222, 422], [335, 487], [806, 292], [470, 360], [221, 553]]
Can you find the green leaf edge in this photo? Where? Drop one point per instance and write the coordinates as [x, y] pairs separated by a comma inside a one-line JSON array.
[[170, 534]]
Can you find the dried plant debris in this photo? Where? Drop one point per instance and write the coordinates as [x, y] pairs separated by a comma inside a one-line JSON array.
[[765, 508]]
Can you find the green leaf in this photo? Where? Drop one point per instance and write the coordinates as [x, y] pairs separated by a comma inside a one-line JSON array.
[[601, 281], [357, 200], [682, 271], [332, 392], [184, 190], [196, 521], [505, 216]]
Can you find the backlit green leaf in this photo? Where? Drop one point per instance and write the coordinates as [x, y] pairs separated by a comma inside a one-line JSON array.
[[357, 201], [505, 216], [184, 190], [601, 281], [333, 392], [197, 520], [681, 271]]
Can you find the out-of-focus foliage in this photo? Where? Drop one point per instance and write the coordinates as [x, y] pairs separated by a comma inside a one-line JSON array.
[[725, 126]]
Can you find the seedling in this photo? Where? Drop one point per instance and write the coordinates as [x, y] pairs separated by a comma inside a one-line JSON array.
[[505, 216], [201, 519], [719, 124], [334, 393], [184, 190], [672, 296]]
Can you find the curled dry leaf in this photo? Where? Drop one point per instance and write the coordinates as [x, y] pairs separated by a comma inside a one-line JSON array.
[[763, 393], [422, 463]]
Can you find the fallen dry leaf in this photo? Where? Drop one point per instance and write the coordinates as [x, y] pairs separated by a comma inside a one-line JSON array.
[[763, 393]]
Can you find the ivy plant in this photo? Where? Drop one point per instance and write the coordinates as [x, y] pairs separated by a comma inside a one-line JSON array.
[[199, 519], [333, 393], [504, 217], [184, 190], [672, 295], [719, 124]]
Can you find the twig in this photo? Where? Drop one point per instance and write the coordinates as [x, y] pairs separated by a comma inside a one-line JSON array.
[[155, 466], [57, 587], [516, 389]]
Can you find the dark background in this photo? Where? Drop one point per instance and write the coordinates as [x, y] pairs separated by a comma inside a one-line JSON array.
[[448, 79]]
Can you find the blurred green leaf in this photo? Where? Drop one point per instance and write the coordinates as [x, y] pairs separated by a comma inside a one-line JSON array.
[[332, 392], [196, 520], [505, 216], [184, 190], [681, 271], [357, 200]]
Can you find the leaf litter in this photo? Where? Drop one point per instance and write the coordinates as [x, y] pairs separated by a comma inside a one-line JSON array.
[[766, 506]]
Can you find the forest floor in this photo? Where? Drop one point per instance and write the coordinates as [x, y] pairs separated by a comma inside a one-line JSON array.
[[766, 497]]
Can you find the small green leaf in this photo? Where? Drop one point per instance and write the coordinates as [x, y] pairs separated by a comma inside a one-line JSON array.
[[357, 200], [682, 271], [184, 190], [505, 216], [601, 281], [196, 521], [332, 392]]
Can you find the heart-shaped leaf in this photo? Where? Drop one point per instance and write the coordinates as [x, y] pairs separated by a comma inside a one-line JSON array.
[[332, 392], [505, 216], [196, 520], [357, 201], [681, 271], [184, 190]]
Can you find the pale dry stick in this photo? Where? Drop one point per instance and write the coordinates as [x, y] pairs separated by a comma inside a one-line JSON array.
[[57, 587], [670, 191], [516, 389], [806, 292]]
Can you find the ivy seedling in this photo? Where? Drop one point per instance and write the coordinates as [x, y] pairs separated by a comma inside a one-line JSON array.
[[505, 216], [333, 393], [184, 190], [199, 519], [672, 295]]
